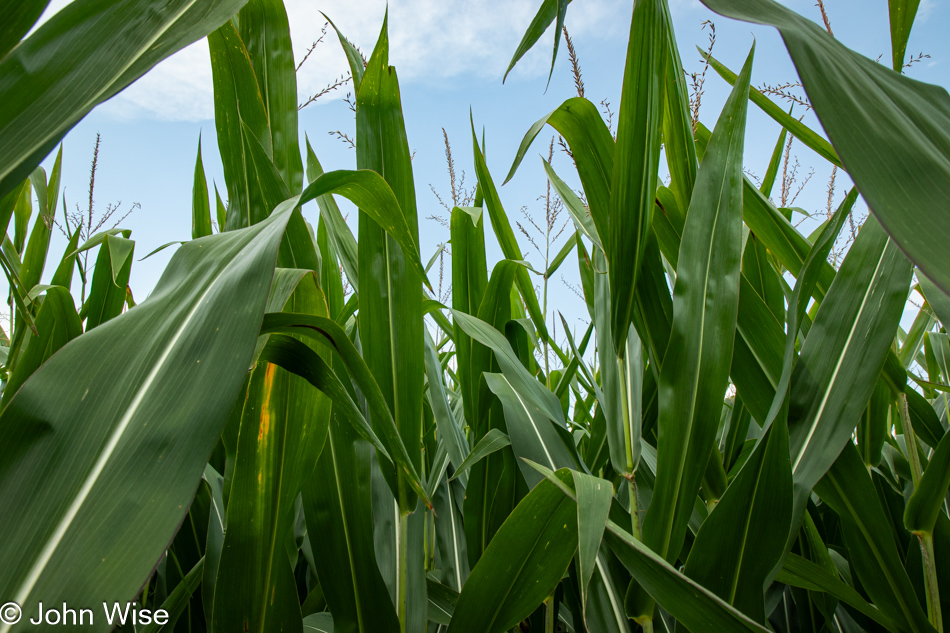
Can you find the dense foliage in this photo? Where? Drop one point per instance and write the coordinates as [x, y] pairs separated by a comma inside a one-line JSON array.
[[743, 440]]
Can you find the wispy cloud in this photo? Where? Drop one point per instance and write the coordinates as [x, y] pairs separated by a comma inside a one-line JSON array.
[[430, 40]]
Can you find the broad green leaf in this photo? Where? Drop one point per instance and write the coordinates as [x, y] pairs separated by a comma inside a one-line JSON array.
[[902, 14], [744, 536], [450, 533], [594, 496], [338, 506], [56, 323], [391, 325], [79, 59], [936, 298], [522, 565], [848, 490], [845, 350], [177, 601], [283, 429], [800, 572], [547, 12], [492, 441], [506, 237], [332, 336], [380, 203], [450, 433], [19, 20], [519, 378], [265, 32], [339, 233], [636, 160], [853, 98], [531, 432], [469, 279], [689, 602], [200, 206], [109, 282], [799, 130], [141, 402], [705, 304], [592, 147], [237, 103], [318, 623], [920, 515]]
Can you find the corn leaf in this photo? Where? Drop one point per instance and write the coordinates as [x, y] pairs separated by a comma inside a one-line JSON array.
[[136, 411], [79, 59]]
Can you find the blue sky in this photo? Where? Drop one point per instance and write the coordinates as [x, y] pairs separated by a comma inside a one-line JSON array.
[[450, 55]]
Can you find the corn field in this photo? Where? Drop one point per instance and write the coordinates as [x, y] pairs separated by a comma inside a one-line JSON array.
[[294, 432]]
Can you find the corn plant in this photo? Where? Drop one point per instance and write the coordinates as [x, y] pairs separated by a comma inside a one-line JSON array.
[[744, 439]]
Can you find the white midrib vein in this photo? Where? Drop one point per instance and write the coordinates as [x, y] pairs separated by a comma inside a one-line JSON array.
[[90, 103], [844, 352], [455, 543], [534, 426], [47, 553], [619, 616]]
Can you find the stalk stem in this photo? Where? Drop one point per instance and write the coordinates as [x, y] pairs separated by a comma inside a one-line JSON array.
[[926, 539], [910, 439], [549, 618], [930, 580], [634, 508], [402, 555]]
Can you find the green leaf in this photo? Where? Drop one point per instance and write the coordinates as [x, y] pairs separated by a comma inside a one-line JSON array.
[[391, 325], [265, 32], [297, 357], [519, 378], [801, 572], [848, 490], [450, 533], [875, 118], [338, 507], [902, 14], [56, 323], [78, 59], [200, 207], [705, 304], [920, 515], [636, 160], [379, 202], [799, 130], [579, 213], [531, 433], [690, 603], [141, 403], [469, 279], [493, 440], [283, 428], [547, 12], [450, 433], [744, 536], [238, 103], [109, 282], [844, 353], [506, 237], [177, 601], [19, 19], [594, 496], [592, 146], [522, 565], [341, 238]]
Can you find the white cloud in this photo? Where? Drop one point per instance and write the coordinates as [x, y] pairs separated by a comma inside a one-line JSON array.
[[430, 40]]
